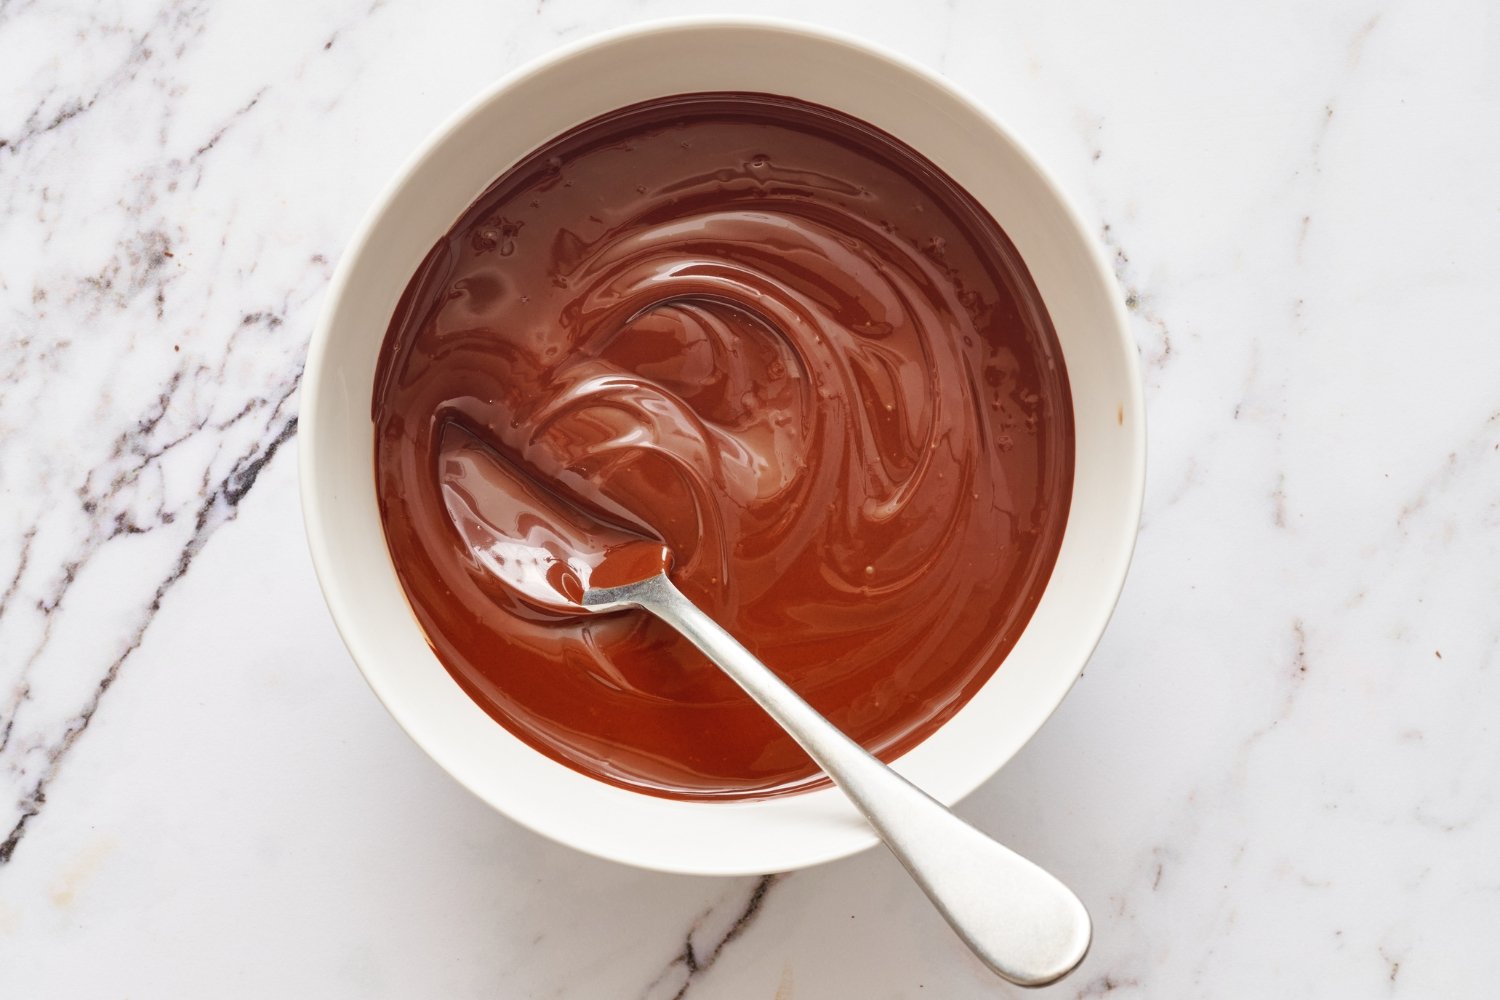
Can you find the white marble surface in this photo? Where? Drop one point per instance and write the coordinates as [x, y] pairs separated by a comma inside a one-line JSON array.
[[1280, 775]]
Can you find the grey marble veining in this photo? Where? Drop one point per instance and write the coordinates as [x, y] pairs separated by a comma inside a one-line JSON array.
[[1279, 775]]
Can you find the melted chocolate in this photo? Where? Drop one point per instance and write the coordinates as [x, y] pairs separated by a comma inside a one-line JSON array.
[[775, 340]]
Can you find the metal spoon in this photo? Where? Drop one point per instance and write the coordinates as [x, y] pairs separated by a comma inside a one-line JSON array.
[[1021, 921]]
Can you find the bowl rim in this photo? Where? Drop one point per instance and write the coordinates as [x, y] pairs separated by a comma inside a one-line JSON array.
[[315, 514]]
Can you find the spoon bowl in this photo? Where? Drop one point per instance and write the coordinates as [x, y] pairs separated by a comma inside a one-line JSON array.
[[544, 548]]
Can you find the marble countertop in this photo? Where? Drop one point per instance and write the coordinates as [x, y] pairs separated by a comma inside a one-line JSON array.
[[1280, 775]]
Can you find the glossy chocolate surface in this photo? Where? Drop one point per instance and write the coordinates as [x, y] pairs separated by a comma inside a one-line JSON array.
[[786, 346]]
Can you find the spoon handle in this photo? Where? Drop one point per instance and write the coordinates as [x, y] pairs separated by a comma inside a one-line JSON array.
[[1021, 921]]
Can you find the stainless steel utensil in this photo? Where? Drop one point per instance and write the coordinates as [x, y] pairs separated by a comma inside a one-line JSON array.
[[1021, 921]]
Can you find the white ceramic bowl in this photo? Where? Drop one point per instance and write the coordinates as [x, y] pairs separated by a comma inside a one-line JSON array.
[[450, 170]]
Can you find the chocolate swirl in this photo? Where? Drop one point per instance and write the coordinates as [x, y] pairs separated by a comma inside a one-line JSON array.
[[789, 348]]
